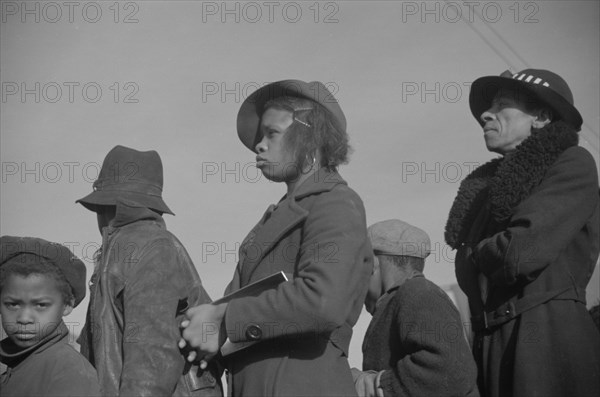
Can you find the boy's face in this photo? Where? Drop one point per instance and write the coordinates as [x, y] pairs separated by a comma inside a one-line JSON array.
[[31, 308], [375, 290]]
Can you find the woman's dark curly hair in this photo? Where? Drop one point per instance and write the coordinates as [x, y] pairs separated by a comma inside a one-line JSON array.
[[312, 131]]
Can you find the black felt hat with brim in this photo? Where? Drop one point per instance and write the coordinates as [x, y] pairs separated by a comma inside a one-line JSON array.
[[248, 119], [131, 175], [542, 85]]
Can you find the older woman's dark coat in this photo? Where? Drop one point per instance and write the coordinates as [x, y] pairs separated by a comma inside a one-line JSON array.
[[527, 232], [318, 238]]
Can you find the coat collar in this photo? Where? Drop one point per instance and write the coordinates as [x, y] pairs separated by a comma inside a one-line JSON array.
[[12, 355], [503, 183], [130, 212], [383, 299], [280, 219], [321, 181]]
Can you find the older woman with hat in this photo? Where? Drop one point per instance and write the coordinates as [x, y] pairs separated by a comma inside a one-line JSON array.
[[316, 235], [526, 227]]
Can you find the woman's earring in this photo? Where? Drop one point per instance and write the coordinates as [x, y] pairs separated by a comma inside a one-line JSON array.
[[310, 163]]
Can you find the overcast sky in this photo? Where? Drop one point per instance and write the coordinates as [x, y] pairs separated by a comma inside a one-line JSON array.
[[79, 78]]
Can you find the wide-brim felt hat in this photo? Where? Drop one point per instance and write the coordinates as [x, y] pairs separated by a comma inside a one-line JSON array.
[[248, 119], [131, 175], [542, 85], [31, 250]]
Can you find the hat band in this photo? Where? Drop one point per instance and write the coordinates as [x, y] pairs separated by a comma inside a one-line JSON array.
[[413, 250], [131, 187], [528, 79]]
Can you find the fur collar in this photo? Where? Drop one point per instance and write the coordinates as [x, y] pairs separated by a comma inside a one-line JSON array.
[[504, 182]]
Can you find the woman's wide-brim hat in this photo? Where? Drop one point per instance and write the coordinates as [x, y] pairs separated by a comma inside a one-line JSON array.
[[128, 174], [542, 85], [248, 119]]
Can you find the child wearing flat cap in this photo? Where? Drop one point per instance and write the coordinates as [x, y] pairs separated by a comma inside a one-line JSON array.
[[40, 282], [414, 345]]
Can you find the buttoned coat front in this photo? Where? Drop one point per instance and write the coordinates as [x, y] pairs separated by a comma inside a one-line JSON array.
[[318, 238]]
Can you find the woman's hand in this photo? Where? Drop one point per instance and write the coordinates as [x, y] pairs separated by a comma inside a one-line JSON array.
[[202, 332]]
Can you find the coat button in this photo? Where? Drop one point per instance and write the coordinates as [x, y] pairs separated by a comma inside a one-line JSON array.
[[253, 332], [210, 378]]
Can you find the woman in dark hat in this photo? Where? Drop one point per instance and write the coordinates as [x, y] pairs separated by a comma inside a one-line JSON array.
[[526, 227], [316, 235]]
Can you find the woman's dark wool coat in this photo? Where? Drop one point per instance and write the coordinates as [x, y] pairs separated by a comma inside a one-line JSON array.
[[527, 231], [318, 237]]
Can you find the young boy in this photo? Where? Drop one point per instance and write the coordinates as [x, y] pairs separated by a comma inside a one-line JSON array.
[[40, 282], [414, 345]]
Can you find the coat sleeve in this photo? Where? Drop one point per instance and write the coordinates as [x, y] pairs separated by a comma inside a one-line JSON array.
[[333, 269], [544, 223], [152, 361], [436, 359]]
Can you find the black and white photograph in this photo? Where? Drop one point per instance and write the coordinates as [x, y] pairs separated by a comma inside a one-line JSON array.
[[300, 198]]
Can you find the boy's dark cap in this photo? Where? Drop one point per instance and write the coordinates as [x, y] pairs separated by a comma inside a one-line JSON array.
[[25, 250]]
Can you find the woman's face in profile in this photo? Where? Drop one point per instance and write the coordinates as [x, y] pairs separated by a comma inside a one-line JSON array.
[[508, 121], [274, 158]]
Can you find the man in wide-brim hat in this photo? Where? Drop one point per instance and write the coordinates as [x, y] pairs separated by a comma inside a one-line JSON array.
[[526, 229], [316, 235], [142, 283]]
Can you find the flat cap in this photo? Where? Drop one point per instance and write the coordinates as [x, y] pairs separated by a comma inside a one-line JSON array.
[[25, 250], [395, 237]]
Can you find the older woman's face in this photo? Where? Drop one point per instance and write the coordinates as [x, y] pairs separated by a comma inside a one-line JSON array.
[[274, 158], [507, 122]]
